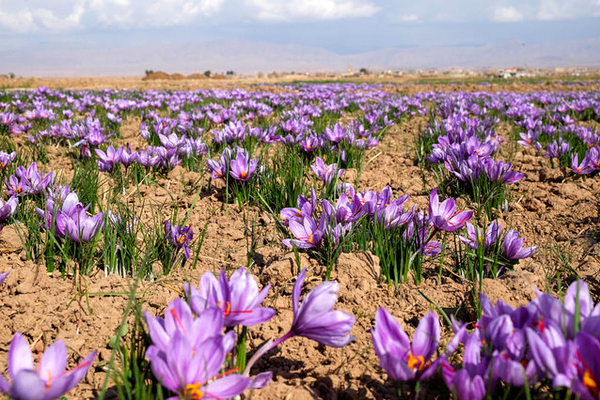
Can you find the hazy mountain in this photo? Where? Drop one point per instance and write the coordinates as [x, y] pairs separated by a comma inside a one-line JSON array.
[[246, 57]]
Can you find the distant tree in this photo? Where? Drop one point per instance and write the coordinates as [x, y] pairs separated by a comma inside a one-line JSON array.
[[148, 72], [207, 73], [230, 73], [364, 71]]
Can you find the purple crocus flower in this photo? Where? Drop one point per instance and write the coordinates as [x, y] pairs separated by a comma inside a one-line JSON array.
[[30, 180], [79, 226], [217, 169], [314, 318], [499, 170], [238, 298], [127, 156], [444, 216], [7, 209], [401, 360], [307, 234], [188, 352], [513, 246], [529, 139], [147, 158], [50, 380], [15, 186], [6, 159], [194, 371], [326, 172], [491, 235], [106, 161], [180, 237], [582, 168], [242, 169]]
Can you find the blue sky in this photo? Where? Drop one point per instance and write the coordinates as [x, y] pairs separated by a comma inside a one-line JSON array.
[[341, 26]]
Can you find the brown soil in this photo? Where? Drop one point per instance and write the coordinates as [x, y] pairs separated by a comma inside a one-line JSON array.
[[559, 215]]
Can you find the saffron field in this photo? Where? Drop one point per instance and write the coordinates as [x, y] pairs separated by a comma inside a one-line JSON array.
[[334, 240]]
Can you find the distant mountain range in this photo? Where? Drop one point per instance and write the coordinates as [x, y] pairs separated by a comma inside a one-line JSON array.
[[248, 57]]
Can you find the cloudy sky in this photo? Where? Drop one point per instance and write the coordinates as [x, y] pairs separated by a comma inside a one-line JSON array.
[[340, 26]]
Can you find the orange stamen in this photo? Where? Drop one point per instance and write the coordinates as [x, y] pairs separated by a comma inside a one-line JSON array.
[[192, 392], [590, 383], [415, 363]]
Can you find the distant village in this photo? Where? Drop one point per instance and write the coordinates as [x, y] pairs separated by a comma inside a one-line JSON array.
[[416, 74], [506, 73]]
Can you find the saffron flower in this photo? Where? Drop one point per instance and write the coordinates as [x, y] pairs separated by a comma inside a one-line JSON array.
[[7, 209], [50, 380], [193, 370], [308, 234], [326, 172], [188, 352], [242, 169], [79, 226], [217, 169], [513, 246], [180, 237], [315, 319], [6, 159], [238, 298], [444, 216], [106, 161], [476, 237], [582, 168], [401, 360]]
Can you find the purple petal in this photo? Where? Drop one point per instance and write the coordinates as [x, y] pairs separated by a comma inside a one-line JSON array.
[[27, 385], [261, 380], [53, 361], [68, 381], [427, 336], [227, 387], [19, 356], [297, 290]]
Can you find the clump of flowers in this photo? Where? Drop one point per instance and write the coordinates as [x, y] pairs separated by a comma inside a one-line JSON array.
[[190, 345], [375, 222], [28, 181], [490, 254], [238, 170], [545, 344], [68, 218]]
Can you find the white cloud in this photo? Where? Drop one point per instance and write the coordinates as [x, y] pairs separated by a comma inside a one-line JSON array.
[[48, 20], [507, 14], [277, 10], [112, 12], [410, 18], [41, 19], [20, 21]]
